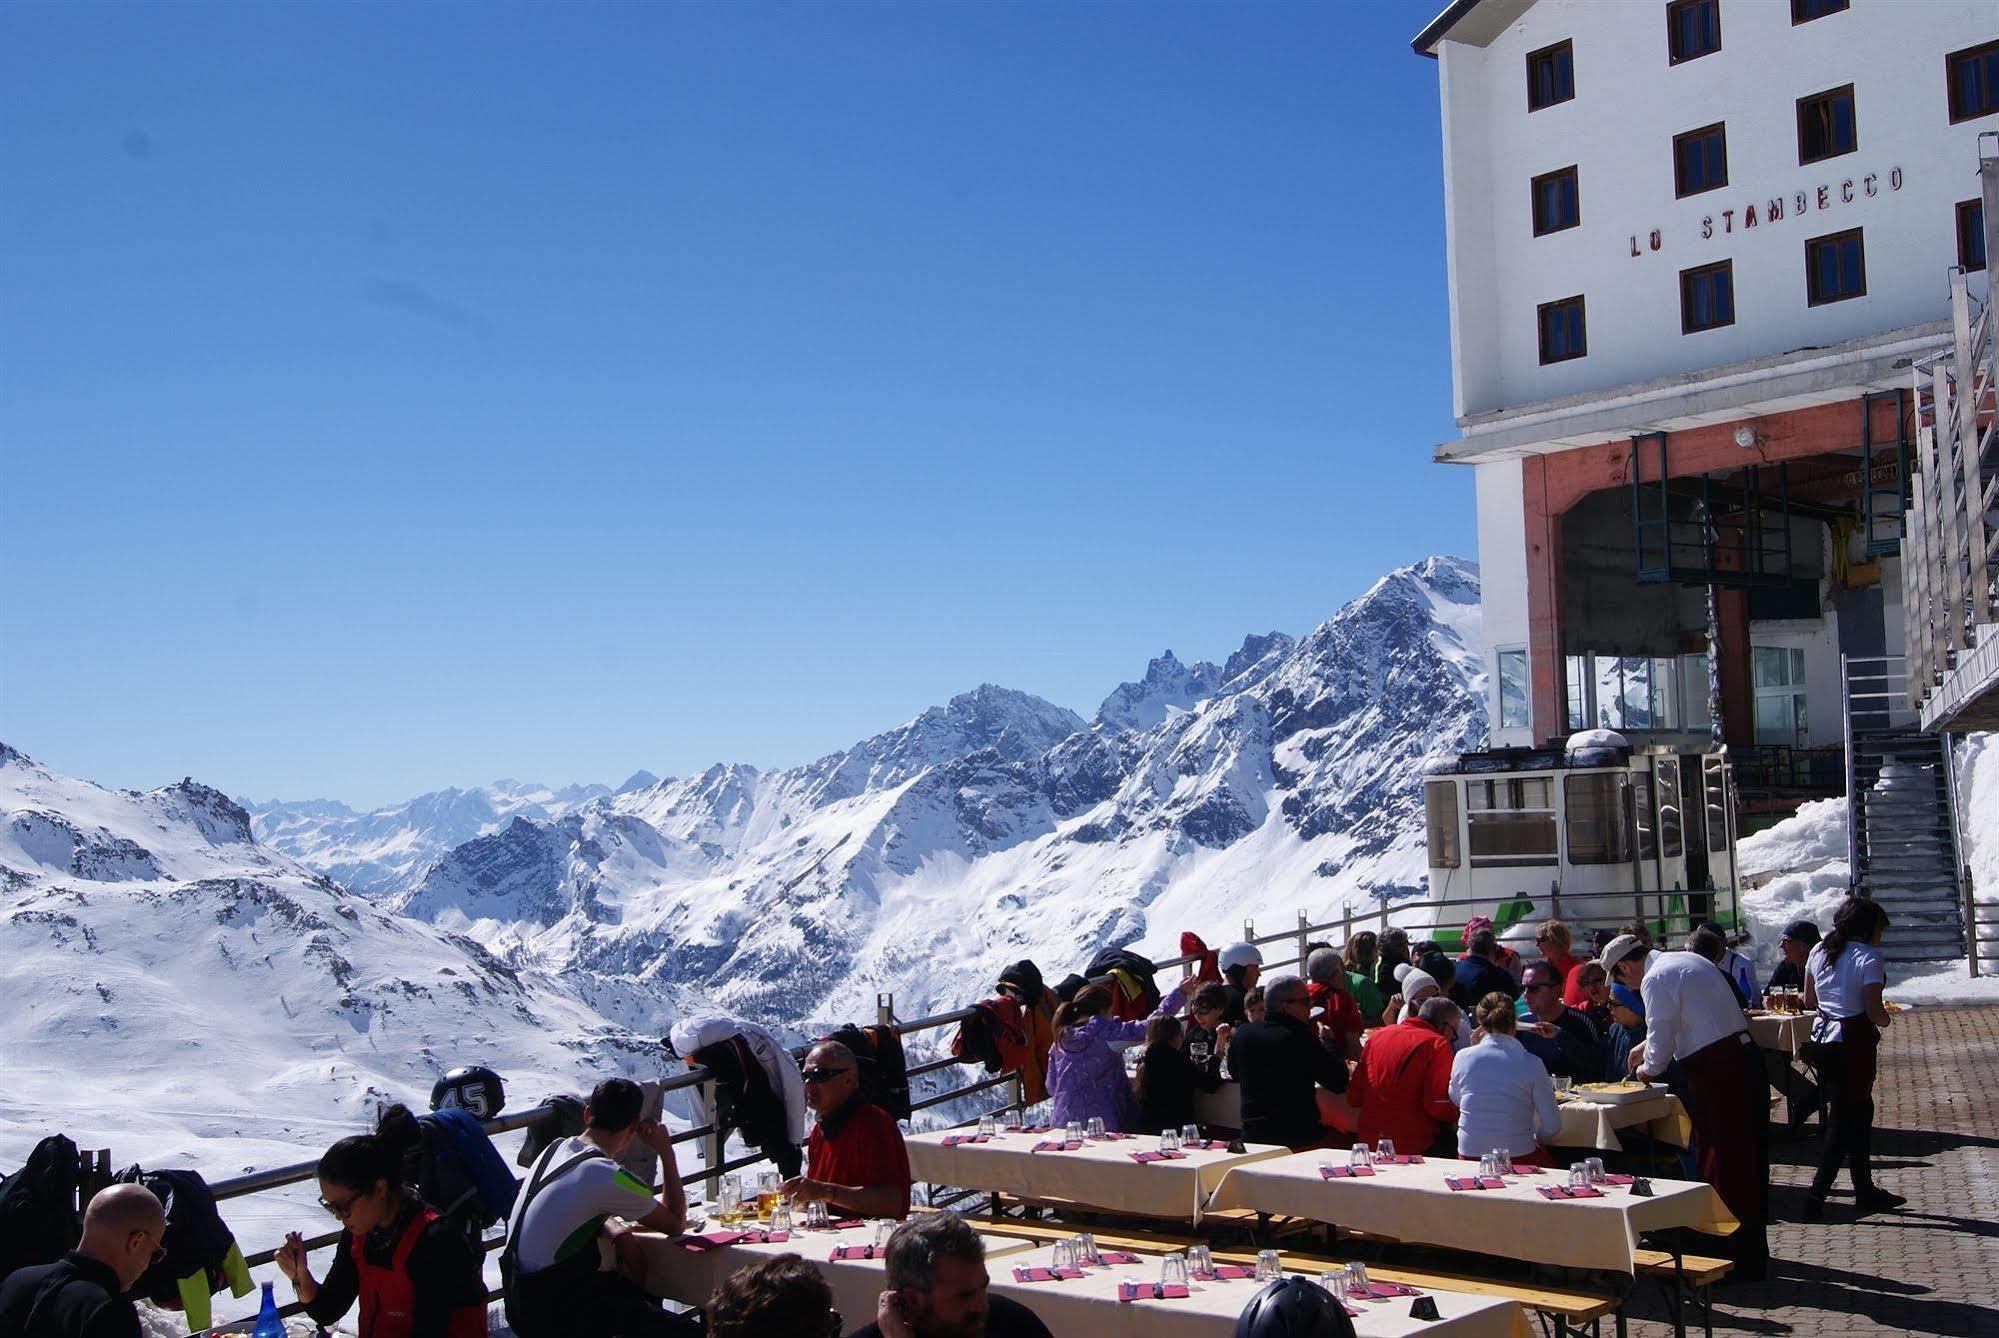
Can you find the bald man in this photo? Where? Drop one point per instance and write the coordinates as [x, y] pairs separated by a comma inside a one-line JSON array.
[[855, 1160], [82, 1295]]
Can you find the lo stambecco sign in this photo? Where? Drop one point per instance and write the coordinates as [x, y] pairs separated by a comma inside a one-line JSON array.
[[1778, 208]]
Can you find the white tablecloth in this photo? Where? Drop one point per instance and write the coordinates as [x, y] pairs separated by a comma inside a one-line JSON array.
[[1101, 1174], [1088, 1307], [1783, 1032], [1413, 1204], [1585, 1124]]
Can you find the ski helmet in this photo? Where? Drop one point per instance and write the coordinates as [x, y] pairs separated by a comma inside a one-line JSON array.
[[1294, 1307], [1239, 954], [474, 1089]]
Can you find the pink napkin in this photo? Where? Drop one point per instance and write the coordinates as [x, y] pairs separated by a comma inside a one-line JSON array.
[[1151, 1291], [1529, 1170], [1230, 1272], [1401, 1159], [1564, 1192], [713, 1240], [1617, 1180], [1111, 1258], [852, 1252], [1056, 1147], [953, 1140], [844, 1224], [1028, 1128], [1343, 1172], [1110, 1137], [1144, 1157], [1045, 1274], [1473, 1182], [1382, 1291]]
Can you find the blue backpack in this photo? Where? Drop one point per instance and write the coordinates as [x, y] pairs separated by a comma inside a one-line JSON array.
[[463, 1175]]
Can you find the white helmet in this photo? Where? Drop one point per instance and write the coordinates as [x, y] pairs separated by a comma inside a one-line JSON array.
[[1239, 954]]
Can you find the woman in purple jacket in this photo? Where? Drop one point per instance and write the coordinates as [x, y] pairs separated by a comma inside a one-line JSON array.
[[1086, 1064]]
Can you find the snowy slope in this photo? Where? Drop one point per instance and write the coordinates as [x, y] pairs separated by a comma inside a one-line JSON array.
[[176, 990], [999, 825]]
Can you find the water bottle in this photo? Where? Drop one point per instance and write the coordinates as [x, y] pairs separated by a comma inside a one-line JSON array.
[[268, 1323]]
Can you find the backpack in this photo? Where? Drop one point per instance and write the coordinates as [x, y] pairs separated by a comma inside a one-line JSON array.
[[199, 1255], [1133, 994], [461, 1173], [878, 1058], [38, 1217]]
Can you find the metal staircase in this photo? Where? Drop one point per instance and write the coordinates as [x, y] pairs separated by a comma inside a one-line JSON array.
[[1901, 814]]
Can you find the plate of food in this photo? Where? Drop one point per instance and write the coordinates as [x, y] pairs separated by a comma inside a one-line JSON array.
[[1613, 1093]]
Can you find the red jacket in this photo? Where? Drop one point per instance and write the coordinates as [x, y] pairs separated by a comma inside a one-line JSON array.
[[858, 1145], [1402, 1086]]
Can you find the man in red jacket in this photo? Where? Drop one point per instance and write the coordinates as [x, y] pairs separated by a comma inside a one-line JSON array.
[[1402, 1082]]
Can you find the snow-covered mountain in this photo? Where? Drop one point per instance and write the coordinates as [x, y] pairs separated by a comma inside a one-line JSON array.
[[170, 981], [999, 826], [388, 850]]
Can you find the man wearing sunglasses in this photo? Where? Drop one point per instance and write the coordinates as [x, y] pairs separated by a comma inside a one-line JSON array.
[[82, 1295], [855, 1160]]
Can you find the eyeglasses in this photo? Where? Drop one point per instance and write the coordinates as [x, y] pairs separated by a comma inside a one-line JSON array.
[[1541, 985], [340, 1211], [816, 1076]]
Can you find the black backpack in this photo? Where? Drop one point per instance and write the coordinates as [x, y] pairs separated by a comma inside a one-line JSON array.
[[1141, 968], [199, 1255], [884, 1073], [38, 1209]]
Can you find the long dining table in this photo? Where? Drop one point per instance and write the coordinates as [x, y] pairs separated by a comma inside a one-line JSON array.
[[1101, 1173], [1415, 1204]]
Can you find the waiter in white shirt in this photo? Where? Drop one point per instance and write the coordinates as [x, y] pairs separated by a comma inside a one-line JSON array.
[[1692, 1017]]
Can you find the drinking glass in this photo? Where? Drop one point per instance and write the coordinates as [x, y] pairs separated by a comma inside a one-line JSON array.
[[1169, 1141], [1074, 1133], [1173, 1271], [1594, 1166], [883, 1229], [1200, 1263], [1384, 1150], [1269, 1265], [1334, 1280], [1190, 1136], [1505, 1161], [988, 1126], [815, 1215], [1579, 1176], [1359, 1159], [1096, 1127], [1356, 1278], [1087, 1255], [1487, 1166], [1065, 1255], [780, 1215], [767, 1195], [729, 1206]]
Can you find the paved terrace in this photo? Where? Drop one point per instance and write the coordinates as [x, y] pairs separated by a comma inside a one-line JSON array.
[[1933, 1267]]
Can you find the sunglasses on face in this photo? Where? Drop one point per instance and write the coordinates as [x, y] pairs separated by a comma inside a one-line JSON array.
[[339, 1210], [1542, 985], [814, 1077]]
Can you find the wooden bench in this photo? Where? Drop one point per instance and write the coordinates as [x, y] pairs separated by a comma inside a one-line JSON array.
[[1697, 1273]]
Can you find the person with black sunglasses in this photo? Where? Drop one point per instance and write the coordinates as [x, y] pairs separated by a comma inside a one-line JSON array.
[[855, 1159], [83, 1294], [413, 1272]]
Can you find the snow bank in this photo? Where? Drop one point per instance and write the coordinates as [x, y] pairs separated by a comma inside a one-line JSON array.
[[1803, 873]]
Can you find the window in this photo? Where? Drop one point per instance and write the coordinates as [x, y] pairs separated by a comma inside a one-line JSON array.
[[1625, 691], [1826, 127], [1440, 811], [1974, 82], [1780, 696], [1669, 807], [1835, 268], [1804, 11], [1971, 235], [1707, 297], [1576, 673], [1513, 689], [1512, 822], [1700, 160], [1715, 781], [1693, 29], [1562, 330], [1598, 831], [1556, 203], [1551, 76]]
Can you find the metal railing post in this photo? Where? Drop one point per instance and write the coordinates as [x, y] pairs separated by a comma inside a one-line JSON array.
[[712, 1142], [885, 1009], [1303, 938]]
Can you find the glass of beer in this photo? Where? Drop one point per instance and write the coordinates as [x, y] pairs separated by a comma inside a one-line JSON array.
[[767, 1183], [729, 1207]]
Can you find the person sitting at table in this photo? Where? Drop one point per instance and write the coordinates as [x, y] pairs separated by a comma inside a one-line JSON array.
[[1241, 965], [1402, 1084], [396, 1254], [1738, 965], [1692, 1017], [1418, 986], [1362, 956], [1800, 937], [1504, 1096], [556, 1284], [1592, 988], [1509, 961], [85, 1293], [1253, 1009], [937, 1287], [1553, 941], [1479, 973], [1707, 942], [1845, 975], [1562, 1038], [1335, 1013], [782, 1295], [1394, 953], [1282, 1067], [1627, 1029], [855, 1159], [1168, 1078], [1207, 1035], [1086, 1065]]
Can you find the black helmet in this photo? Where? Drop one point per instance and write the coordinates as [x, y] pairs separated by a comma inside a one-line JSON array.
[[1294, 1307], [476, 1090]]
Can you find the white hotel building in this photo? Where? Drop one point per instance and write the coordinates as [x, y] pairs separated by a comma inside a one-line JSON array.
[[1694, 250]]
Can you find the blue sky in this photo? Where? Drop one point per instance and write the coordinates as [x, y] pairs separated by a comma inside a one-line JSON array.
[[401, 397]]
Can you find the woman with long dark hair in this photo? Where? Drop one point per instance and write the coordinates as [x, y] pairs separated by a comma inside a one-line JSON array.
[[1168, 1078], [1844, 977], [1086, 1064], [412, 1272]]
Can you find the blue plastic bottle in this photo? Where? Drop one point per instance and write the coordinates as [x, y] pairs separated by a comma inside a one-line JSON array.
[[268, 1323]]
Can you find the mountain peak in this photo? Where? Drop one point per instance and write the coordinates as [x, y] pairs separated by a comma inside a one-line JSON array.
[[638, 780]]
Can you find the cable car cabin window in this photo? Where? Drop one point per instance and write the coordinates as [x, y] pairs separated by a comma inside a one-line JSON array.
[[1717, 803], [1669, 807], [1512, 822], [1641, 805], [1440, 810], [1598, 833]]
